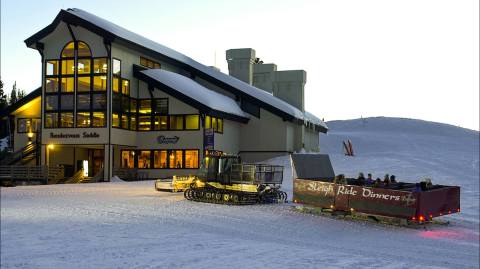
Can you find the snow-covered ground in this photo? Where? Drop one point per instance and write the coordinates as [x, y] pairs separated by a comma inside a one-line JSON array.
[[130, 225]]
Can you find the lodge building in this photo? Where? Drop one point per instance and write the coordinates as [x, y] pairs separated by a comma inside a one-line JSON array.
[[112, 100]]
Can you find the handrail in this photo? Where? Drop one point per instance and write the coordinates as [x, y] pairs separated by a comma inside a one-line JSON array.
[[76, 178]]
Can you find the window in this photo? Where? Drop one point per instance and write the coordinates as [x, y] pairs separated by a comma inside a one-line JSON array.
[[128, 159], [191, 158], [161, 122], [160, 159], [161, 106], [117, 67], [51, 85], [192, 122], [175, 159], [214, 123], [51, 120], [176, 122], [116, 86], [115, 120], [125, 86], [144, 159], [52, 68], [144, 122], [76, 72], [66, 119], [28, 125], [145, 106], [149, 63]]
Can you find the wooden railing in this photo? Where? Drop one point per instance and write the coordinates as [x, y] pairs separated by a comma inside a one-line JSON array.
[[40, 173], [23, 155]]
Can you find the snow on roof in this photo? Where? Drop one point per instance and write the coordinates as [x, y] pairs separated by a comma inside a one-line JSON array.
[[196, 91], [246, 88], [313, 119]]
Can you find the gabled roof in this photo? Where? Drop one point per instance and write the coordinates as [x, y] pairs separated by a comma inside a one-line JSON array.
[[189, 91], [29, 97], [112, 32]]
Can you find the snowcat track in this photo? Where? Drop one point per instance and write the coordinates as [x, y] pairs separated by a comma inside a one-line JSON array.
[[227, 197]]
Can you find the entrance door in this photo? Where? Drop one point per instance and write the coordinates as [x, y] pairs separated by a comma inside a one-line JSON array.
[[97, 161]]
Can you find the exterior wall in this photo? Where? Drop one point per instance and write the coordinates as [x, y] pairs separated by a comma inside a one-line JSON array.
[[312, 140], [264, 76], [29, 110]]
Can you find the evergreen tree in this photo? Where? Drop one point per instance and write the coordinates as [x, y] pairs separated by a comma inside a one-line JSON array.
[[13, 94], [20, 94], [3, 97]]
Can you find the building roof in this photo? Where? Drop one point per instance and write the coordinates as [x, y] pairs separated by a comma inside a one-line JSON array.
[[312, 166], [112, 32], [29, 97], [193, 93]]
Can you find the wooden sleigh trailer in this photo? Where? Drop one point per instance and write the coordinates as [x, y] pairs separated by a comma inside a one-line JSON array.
[[313, 185]]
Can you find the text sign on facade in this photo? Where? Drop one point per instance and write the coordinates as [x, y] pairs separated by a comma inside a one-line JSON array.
[[83, 135], [208, 139], [167, 140]]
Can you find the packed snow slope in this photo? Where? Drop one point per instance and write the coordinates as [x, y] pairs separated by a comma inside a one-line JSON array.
[[130, 225], [411, 150]]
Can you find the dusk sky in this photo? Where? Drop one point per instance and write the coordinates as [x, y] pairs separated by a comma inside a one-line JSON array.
[[412, 59]]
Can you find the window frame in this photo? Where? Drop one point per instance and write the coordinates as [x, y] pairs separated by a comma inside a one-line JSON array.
[[152, 159], [31, 125]]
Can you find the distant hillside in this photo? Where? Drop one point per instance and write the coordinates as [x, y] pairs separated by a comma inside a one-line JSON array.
[[411, 149]]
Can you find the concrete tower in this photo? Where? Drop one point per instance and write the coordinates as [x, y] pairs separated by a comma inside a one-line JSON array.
[[240, 63]]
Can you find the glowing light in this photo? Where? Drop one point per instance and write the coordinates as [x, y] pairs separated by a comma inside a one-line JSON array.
[[51, 146], [331, 206], [30, 135], [421, 218], [449, 211], [458, 209], [351, 209], [413, 218]]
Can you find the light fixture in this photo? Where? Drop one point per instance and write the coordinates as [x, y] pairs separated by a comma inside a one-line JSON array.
[[30, 135], [51, 146]]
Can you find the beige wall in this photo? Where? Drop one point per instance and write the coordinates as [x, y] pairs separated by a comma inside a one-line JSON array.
[[29, 110]]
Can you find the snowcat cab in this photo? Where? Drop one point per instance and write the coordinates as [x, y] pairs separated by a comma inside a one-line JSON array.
[[224, 179]]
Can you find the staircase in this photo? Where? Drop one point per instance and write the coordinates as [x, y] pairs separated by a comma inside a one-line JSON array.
[[76, 178], [22, 156]]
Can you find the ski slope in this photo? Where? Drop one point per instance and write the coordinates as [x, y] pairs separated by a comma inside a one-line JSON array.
[[130, 225]]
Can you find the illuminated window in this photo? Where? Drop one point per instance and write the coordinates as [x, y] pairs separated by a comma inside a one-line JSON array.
[[117, 67], [161, 123], [100, 83], [149, 63], [66, 119], [68, 84], [160, 159], [176, 122], [83, 119], [144, 123], [83, 84], [69, 50], [124, 121], [133, 123], [175, 159], [115, 85], [191, 158], [115, 120], [192, 122], [144, 159], [83, 66], [83, 50], [133, 105], [215, 123], [145, 106], [125, 86], [36, 125], [51, 120], [68, 67], [98, 119], [100, 66], [128, 159], [52, 68], [51, 85]]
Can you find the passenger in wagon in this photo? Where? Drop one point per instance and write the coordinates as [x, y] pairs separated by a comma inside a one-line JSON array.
[[378, 183], [340, 179], [386, 180], [361, 179], [369, 179], [392, 179]]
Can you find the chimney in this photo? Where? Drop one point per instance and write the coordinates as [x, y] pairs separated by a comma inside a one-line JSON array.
[[289, 86], [264, 76], [240, 63]]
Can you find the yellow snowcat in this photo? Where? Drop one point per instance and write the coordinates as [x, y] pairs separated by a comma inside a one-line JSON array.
[[223, 179]]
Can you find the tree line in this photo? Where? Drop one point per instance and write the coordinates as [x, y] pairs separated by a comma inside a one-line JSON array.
[[8, 100]]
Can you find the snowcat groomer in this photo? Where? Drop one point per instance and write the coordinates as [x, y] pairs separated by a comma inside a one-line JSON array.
[[314, 184], [224, 179]]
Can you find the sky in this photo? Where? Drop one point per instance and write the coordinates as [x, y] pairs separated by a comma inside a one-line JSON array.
[[412, 58]]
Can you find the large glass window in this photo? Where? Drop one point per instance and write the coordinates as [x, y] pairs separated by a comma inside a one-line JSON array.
[[149, 63], [160, 159], [176, 122], [161, 106], [144, 122], [117, 67], [192, 122], [161, 122], [115, 120], [76, 62], [191, 158], [28, 125], [128, 159], [215, 123], [176, 159], [144, 159]]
